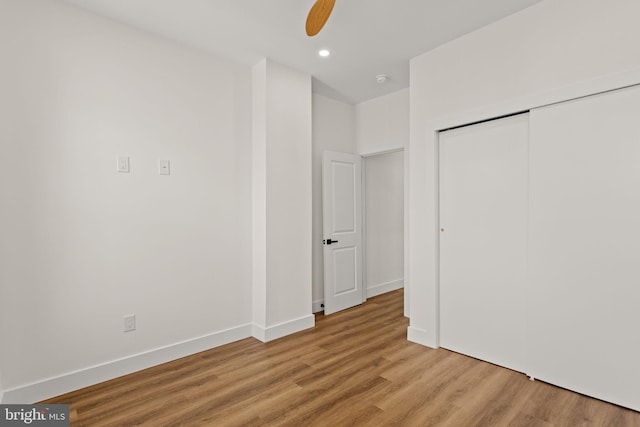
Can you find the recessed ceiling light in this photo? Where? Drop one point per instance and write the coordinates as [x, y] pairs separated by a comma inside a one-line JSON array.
[[382, 78], [324, 53]]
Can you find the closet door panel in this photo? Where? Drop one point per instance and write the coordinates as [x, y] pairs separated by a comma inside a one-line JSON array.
[[583, 291], [483, 184]]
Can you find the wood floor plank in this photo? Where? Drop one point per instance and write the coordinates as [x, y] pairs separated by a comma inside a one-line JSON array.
[[355, 368]]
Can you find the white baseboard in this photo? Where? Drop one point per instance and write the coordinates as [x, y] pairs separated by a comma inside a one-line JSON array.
[[317, 306], [383, 288], [420, 336], [280, 330], [72, 381]]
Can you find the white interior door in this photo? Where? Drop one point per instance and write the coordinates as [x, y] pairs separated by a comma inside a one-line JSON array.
[[584, 249], [342, 226], [483, 208]]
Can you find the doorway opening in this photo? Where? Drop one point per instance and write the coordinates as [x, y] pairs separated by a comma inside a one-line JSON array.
[[363, 221]]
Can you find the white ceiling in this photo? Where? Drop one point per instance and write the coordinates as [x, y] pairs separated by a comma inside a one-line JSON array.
[[366, 37]]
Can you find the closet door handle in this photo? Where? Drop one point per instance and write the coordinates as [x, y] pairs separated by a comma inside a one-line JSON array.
[[329, 241]]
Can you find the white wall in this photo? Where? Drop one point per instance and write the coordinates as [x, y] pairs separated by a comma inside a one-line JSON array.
[[382, 123], [334, 129], [288, 194], [554, 49], [384, 222], [281, 201], [83, 245]]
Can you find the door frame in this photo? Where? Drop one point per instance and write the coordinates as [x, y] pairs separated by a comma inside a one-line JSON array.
[[405, 221]]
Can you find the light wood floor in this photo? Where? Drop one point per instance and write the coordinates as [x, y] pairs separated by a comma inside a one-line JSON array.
[[355, 368]]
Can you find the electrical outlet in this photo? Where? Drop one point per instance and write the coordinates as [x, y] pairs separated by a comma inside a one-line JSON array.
[[130, 323], [163, 167]]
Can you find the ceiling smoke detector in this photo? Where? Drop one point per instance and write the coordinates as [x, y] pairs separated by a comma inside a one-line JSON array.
[[382, 78]]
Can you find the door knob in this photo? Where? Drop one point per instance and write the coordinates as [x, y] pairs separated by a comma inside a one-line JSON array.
[[329, 241]]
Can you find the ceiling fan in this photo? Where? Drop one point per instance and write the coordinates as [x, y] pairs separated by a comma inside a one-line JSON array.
[[318, 16]]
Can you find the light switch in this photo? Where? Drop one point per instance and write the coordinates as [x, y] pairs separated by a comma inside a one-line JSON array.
[[163, 167], [123, 164]]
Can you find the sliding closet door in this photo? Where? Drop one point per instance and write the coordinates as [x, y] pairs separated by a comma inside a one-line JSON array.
[[483, 196], [584, 272]]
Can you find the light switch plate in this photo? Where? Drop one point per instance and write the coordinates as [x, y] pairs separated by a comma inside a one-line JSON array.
[[163, 167], [123, 164], [129, 322]]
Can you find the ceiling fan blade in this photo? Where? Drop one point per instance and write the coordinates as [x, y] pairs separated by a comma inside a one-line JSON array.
[[318, 16]]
